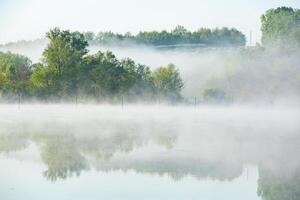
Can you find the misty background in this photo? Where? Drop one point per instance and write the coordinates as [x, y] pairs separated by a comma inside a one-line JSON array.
[[31, 19], [256, 73]]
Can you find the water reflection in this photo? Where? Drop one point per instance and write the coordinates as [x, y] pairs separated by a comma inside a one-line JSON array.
[[279, 183], [198, 147], [13, 142], [67, 152], [279, 178], [61, 156]]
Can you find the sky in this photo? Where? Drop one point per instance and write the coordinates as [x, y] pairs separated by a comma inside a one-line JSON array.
[[31, 19]]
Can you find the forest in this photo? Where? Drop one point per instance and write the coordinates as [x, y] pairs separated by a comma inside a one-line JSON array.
[[68, 71], [178, 36]]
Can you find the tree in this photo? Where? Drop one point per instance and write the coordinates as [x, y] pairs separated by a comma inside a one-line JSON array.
[[15, 71], [89, 36], [168, 82], [279, 182], [2, 80], [179, 35], [281, 26], [42, 80], [144, 87], [105, 74], [63, 56], [110, 78], [179, 30], [67, 71]]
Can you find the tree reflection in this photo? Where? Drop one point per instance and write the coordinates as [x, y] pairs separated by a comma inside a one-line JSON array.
[[13, 142], [103, 148], [61, 156], [176, 169], [68, 150], [67, 153], [279, 185]]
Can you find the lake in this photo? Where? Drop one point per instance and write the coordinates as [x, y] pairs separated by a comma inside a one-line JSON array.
[[91, 152]]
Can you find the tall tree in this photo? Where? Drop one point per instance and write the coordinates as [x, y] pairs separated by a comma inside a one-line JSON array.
[[15, 71], [64, 55], [281, 26], [168, 82], [105, 73]]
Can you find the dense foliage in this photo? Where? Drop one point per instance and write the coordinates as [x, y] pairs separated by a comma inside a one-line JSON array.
[[178, 36], [281, 26], [68, 72], [15, 72]]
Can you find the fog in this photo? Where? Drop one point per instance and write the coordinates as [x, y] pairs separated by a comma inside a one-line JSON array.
[[246, 76], [263, 77], [206, 143], [100, 128], [233, 134], [211, 133]]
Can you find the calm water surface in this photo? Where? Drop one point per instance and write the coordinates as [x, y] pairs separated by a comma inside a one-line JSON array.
[[149, 152]]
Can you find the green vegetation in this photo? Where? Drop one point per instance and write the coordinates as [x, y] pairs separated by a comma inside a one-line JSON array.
[[279, 182], [15, 72], [68, 72], [281, 26], [179, 35], [264, 72], [63, 61], [168, 82]]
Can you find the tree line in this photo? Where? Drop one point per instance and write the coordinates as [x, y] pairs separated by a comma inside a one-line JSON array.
[[179, 35], [68, 72]]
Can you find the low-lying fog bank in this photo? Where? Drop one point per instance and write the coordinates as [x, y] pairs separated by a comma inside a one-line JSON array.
[[226, 74], [214, 142], [179, 115]]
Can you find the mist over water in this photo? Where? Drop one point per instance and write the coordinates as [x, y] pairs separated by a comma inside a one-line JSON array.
[[253, 147], [173, 114], [243, 149]]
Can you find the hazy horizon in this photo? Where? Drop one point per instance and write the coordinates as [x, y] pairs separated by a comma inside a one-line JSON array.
[[31, 19]]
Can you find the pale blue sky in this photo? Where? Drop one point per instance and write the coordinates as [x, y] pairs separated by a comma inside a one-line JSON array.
[[30, 19]]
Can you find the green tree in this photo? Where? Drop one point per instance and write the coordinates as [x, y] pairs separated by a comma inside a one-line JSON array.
[[278, 183], [42, 79], [67, 70], [15, 71], [64, 56], [89, 36], [110, 78], [105, 73], [179, 35], [168, 82], [281, 26]]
